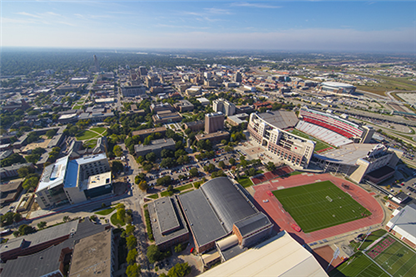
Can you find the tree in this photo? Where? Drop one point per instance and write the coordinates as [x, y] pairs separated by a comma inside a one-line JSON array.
[[30, 183], [244, 163], [221, 164], [183, 160], [179, 270], [151, 157], [133, 270], [50, 133], [42, 224], [130, 229], [251, 172], [168, 162], [153, 253], [232, 161], [24, 171], [193, 172], [166, 153], [66, 218], [143, 185], [121, 214], [116, 166], [26, 229], [131, 242], [211, 167], [270, 166], [147, 167], [131, 256], [118, 151]]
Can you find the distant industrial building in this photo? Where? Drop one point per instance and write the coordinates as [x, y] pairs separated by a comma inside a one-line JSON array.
[[74, 181], [168, 225], [155, 146], [224, 106], [267, 129]]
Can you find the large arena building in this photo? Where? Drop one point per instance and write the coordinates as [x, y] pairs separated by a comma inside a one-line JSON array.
[[334, 130], [336, 87], [268, 130]]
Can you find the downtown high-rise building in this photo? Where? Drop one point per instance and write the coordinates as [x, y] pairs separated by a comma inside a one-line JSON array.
[[214, 122]]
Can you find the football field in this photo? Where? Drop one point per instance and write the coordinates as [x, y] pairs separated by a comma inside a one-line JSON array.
[[394, 256], [319, 205]]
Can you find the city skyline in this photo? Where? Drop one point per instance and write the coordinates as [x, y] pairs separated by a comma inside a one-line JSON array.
[[265, 25]]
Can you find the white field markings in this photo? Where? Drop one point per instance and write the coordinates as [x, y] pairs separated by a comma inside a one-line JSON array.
[[414, 264], [385, 262], [378, 265]]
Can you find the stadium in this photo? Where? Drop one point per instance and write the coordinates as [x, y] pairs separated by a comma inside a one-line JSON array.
[[332, 129], [337, 206], [269, 130], [336, 87]]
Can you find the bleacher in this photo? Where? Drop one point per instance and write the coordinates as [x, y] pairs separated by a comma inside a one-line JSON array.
[[324, 134]]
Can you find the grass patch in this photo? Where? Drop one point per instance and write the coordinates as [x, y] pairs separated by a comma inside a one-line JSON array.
[[320, 205], [76, 107], [84, 135], [153, 196], [358, 265], [245, 182], [148, 225], [320, 145], [90, 143], [370, 239], [106, 211], [115, 221], [175, 190], [100, 130]]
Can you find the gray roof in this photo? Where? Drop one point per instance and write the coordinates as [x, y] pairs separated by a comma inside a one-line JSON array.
[[169, 220], [228, 201], [41, 236], [201, 217], [212, 210], [47, 261], [155, 144], [252, 224], [280, 119], [14, 167], [405, 220]]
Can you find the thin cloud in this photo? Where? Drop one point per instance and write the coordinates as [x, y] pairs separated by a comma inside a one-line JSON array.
[[255, 5], [29, 14], [216, 11]]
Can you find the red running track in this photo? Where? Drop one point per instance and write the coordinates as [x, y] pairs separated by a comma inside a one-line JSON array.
[[283, 220], [278, 172]]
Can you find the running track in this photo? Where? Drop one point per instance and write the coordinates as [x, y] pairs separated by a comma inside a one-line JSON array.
[[282, 219]]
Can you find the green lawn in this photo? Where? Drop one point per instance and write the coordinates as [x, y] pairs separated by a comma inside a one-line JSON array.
[[358, 266], [153, 196], [176, 190], [320, 205], [245, 182], [90, 143], [370, 239], [186, 191], [397, 259], [319, 143], [76, 107], [106, 211], [115, 221], [100, 130], [84, 135]]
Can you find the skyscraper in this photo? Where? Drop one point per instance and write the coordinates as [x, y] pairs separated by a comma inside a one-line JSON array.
[[222, 105], [238, 77], [96, 64]]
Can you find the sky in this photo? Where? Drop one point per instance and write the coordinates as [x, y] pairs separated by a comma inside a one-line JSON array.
[[365, 26]]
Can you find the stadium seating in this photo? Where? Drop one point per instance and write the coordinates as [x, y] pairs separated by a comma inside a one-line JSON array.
[[324, 134]]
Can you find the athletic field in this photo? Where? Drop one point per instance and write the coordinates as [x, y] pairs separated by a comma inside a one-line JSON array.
[[394, 256], [389, 257], [320, 145], [320, 205]]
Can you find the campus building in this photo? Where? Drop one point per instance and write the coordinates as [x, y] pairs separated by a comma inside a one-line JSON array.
[[214, 122], [225, 209], [267, 129], [74, 181], [336, 87], [402, 224], [224, 106], [155, 146]]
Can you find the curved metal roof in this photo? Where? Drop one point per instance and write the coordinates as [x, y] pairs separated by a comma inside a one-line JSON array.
[[228, 201]]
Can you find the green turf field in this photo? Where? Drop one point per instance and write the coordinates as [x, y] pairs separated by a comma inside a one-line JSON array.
[[358, 266], [397, 259], [320, 205], [319, 143], [370, 239]]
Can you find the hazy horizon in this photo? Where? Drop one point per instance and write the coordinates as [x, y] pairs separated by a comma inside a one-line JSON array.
[[334, 26]]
